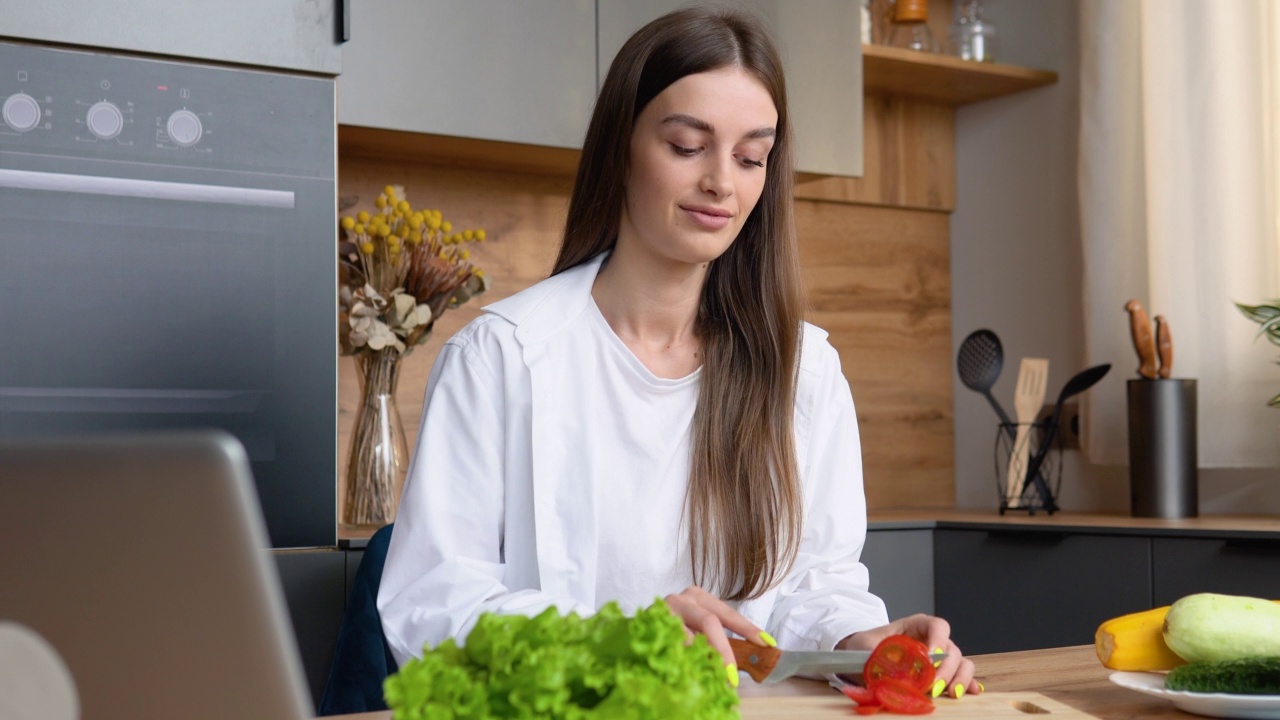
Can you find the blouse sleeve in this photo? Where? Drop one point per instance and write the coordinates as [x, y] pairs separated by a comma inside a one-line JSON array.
[[826, 597], [445, 564]]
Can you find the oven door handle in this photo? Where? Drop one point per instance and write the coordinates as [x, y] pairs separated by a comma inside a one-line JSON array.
[[149, 189]]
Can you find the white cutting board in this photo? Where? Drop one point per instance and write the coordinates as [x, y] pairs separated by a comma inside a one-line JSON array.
[[987, 706]]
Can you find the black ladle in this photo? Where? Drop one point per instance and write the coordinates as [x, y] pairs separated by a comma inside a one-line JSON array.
[[1082, 381], [979, 361]]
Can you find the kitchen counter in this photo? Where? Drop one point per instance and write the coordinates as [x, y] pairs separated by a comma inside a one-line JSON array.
[[1261, 527], [1071, 676], [1241, 527]]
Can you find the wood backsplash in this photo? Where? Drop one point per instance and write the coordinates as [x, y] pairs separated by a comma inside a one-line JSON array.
[[878, 279]]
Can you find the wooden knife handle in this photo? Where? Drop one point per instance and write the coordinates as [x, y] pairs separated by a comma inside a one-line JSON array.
[[1143, 340], [756, 660], [1164, 346]]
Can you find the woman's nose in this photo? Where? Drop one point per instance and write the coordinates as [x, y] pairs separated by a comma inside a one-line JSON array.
[[718, 178]]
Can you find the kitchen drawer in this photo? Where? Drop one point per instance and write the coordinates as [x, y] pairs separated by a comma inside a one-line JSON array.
[[1018, 589], [314, 584], [1183, 566], [901, 567]]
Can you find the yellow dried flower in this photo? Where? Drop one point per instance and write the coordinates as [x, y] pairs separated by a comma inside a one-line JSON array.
[[348, 223]]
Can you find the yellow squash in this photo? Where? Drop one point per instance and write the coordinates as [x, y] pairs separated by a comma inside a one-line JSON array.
[[1136, 642]]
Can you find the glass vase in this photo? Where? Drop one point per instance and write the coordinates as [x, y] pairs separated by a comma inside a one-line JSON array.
[[379, 456]]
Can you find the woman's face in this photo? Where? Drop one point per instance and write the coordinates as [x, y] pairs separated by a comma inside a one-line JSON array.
[[698, 158]]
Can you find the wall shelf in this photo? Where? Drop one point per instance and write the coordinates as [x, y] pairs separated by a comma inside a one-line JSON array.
[[942, 78]]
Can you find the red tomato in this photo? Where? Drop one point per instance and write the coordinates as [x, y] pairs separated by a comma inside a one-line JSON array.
[[900, 658], [860, 695], [867, 709], [899, 697]]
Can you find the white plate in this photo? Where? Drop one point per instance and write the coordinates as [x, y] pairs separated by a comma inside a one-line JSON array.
[[1222, 705]]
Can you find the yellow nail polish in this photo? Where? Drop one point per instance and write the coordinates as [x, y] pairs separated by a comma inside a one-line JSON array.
[[732, 671], [938, 651], [938, 686], [959, 690], [982, 688], [937, 663], [768, 639]]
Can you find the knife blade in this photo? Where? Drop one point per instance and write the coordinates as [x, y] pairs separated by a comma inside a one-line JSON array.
[[770, 665]]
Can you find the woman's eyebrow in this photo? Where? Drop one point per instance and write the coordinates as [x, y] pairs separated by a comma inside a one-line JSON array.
[[706, 127]]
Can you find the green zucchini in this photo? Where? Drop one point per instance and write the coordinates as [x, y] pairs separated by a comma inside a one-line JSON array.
[[1245, 676]]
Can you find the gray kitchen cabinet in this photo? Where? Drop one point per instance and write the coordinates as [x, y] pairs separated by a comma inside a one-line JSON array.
[[1005, 590], [1232, 566], [285, 34], [900, 562], [521, 72], [314, 583], [821, 55]]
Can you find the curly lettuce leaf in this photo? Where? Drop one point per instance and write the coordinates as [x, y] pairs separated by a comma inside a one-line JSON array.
[[551, 666]]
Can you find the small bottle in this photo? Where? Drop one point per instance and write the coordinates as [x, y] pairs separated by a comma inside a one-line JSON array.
[[911, 26], [866, 22], [972, 36]]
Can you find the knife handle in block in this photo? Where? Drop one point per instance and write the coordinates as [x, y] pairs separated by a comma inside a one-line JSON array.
[[1164, 346], [755, 660], [1144, 341]]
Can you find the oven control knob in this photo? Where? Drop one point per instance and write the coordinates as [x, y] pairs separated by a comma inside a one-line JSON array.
[[184, 128], [104, 120], [21, 112]]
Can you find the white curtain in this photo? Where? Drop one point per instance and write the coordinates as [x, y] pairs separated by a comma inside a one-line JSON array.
[[1179, 183]]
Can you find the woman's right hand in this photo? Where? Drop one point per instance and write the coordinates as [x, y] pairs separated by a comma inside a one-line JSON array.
[[705, 613]]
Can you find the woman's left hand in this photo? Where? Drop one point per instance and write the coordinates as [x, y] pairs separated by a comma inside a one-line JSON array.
[[955, 674]]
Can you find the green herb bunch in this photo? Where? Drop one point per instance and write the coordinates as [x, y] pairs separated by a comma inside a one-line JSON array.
[[552, 666], [1267, 315]]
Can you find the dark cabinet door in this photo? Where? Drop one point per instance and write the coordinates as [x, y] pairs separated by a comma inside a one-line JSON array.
[[1025, 589], [314, 583], [900, 564], [1183, 566]]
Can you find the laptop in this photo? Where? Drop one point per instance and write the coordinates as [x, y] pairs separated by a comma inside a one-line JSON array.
[[143, 560]]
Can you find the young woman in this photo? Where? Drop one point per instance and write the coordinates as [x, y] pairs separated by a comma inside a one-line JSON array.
[[655, 419]]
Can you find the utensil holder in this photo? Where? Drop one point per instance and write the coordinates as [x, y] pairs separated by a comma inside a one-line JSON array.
[[1030, 500], [1163, 461]]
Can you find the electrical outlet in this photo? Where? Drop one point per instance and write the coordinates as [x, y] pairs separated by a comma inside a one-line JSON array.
[[1068, 433]]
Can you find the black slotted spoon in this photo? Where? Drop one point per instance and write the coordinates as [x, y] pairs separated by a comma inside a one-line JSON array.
[[979, 362]]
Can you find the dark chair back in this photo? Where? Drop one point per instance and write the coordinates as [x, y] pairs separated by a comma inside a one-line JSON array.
[[361, 659]]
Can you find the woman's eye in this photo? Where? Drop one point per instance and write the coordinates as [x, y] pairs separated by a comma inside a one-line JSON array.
[[684, 151], [753, 163]]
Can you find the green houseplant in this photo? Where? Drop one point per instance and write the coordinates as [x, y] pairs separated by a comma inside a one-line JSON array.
[[1267, 315]]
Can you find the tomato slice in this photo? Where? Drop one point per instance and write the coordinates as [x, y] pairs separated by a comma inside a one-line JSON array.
[[860, 695], [867, 709], [901, 658], [899, 697]]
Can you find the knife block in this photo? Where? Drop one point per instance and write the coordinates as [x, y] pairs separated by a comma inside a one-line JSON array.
[[1030, 501], [1163, 461]]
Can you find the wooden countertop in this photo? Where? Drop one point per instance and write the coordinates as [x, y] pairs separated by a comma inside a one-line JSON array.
[[1072, 676], [1258, 527]]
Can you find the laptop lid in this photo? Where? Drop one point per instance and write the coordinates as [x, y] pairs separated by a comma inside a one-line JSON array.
[[144, 561]]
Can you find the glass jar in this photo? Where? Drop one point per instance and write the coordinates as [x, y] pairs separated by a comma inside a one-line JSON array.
[[972, 36], [910, 29]]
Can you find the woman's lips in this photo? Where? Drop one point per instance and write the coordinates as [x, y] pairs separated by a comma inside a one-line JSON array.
[[707, 217]]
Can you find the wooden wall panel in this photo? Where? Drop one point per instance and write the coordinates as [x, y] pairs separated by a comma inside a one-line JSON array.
[[879, 282]]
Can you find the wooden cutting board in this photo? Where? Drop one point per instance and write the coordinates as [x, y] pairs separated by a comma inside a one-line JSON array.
[[987, 706]]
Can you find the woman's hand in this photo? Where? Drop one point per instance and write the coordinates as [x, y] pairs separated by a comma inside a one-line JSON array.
[[955, 674], [705, 613]]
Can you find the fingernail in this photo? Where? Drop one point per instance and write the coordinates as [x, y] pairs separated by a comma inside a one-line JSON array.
[[937, 663], [938, 686], [732, 671], [959, 690], [938, 651], [768, 639], [982, 688]]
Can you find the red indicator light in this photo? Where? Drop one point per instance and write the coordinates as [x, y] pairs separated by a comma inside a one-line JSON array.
[[162, 87]]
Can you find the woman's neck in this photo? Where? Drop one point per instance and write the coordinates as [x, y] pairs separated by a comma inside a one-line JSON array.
[[652, 306]]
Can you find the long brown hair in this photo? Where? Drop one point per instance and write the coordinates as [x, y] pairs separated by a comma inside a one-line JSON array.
[[743, 500]]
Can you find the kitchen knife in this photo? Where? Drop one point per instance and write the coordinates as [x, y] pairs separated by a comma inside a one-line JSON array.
[[1143, 342], [1164, 346], [770, 665]]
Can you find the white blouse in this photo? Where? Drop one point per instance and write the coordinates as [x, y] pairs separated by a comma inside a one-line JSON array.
[[501, 514]]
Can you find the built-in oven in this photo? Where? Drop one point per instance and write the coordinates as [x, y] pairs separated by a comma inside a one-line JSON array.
[[167, 260]]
